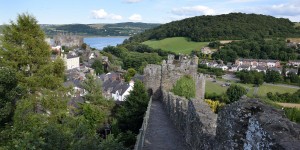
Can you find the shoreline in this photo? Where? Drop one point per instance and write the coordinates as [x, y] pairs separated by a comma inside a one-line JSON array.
[[106, 36]]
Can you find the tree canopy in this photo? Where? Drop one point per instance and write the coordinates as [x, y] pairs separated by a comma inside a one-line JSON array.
[[233, 26], [235, 92]]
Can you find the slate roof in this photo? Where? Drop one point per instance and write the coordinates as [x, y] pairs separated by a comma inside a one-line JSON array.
[[71, 55], [115, 85], [138, 77]]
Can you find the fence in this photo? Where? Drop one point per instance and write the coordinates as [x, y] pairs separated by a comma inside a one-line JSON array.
[[141, 136]]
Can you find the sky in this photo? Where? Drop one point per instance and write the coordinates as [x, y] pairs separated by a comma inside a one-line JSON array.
[[149, 11]]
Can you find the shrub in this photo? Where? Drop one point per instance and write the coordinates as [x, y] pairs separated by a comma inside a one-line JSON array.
[[185, 86], [214, 105]]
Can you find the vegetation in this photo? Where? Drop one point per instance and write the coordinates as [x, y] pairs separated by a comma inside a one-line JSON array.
[[293, 114], [214, 105], [176, 44], [252, 77], [118, 29], [130, 73], [98, 66], [34, 105], [130, 115], [256, 48], [233, 26], [133, 59], [273, 76], [185, 86], [235, 92], [212, 71], [285, 97]]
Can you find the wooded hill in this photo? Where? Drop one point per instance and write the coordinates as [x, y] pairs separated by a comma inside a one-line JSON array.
[[118, 29], [233, 26]]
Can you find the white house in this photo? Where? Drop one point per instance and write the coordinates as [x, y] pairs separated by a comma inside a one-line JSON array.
[[116, 89], [71, 60], [295, 63], [223, 67], [233, 68], [122, 92], [244, 67]]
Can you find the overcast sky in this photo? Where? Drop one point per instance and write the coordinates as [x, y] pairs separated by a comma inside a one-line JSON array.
[[150, 11]]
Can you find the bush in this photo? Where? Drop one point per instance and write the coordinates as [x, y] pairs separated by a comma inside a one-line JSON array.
[[215, 105], [293, 114], [185, 86], [235, 92]]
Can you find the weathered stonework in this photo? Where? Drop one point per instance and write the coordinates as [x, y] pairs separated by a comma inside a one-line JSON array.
[[250, 124], [164, 76], [245, 124]]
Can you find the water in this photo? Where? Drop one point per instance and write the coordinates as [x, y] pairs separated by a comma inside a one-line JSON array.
[[101, 42]]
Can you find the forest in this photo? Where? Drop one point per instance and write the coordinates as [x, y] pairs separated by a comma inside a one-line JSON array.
[[257, 49], [233, 26]]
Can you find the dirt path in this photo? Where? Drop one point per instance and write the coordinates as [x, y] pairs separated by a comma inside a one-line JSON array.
[[162, 133], [289, 105]]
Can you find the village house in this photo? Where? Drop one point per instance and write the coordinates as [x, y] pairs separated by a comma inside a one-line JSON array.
[[260, 69], [253, 63], [294, 63], [244, 67], [221, 66], [114, 86], [233, 68], [295, 71], [279, 70], [71, 60]]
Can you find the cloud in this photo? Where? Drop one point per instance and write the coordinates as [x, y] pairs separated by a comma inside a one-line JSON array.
[[135, 17], [241, 1], [102, 14], [284, 9], [132, 1], [193, 11]]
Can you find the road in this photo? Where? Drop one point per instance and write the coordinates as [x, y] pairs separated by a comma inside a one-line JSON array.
[[289, 105]]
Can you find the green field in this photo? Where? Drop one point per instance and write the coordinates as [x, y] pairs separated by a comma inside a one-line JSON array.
[[212, 87], [176, 44], [264, 89]]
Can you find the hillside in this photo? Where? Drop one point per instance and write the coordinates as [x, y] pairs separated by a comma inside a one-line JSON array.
[[233, 26], [118, 29], [176, 45]]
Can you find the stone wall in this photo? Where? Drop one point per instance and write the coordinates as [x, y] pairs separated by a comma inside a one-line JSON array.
[[164, 76], [193, 118], [250, 124], [245, 124]]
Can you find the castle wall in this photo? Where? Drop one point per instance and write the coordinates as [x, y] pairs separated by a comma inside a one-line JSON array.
[[193, 118], [245, 124]]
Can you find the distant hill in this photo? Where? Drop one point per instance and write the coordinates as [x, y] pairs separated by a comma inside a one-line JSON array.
[[118, 29], [233, 26]]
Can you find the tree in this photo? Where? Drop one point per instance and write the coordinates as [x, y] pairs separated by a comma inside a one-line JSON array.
[[97, 107], [25, 50], [272, 76], [98, 66], [185, 86], [235, 92], [130, 114], [130, 73], [8, 94]]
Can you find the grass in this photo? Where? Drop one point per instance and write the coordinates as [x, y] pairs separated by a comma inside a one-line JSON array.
[[176, 44], [213, 87], [264, 89]]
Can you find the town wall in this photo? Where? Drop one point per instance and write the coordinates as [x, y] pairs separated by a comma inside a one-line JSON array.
[[245, 124]]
